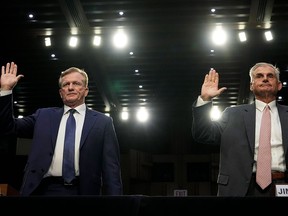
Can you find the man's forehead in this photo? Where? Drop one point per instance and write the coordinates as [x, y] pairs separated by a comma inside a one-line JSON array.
[[264, 69]]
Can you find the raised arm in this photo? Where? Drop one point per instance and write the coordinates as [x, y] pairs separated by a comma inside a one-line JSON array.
[[9, 77]]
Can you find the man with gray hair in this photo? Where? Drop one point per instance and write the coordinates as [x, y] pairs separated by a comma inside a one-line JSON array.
[[238, 133]]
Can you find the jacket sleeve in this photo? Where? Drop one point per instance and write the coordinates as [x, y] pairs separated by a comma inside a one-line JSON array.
[[204, 130]]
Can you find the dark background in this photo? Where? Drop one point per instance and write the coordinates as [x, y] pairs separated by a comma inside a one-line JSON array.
[[171, 45]]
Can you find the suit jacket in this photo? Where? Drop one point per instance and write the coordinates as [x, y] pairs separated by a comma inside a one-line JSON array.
[[99, 161], [235, 133]]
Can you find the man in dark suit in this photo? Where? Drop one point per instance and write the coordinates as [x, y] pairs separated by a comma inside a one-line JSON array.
[[237, 132], [97, 154]]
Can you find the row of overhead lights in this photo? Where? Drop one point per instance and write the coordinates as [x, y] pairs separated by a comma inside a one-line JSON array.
[[219, 36], [120, 40]]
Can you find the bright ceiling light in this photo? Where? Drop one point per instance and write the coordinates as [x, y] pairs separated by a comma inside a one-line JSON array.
[[73, 41], [124, 115], [120, 39], [219, 36], [268, 35], [97, 40], [47, 41], [142, 114], [242, 36]]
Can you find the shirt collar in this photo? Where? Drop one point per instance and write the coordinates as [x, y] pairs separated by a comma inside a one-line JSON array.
[[261, 105], [80, 109]]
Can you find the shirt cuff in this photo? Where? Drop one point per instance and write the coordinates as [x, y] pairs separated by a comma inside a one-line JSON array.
[[5, 92], [201, 102]]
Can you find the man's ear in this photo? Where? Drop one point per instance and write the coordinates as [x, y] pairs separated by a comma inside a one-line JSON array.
[[280, 85], [87, 91], [251, 86], [60, 93]]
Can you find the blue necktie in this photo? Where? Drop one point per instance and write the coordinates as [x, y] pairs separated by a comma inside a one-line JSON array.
[[68, 170]]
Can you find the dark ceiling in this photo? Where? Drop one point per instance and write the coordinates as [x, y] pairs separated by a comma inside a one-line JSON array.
[[171, 45]]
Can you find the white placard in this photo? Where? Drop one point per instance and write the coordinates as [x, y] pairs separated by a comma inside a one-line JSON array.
[[281, 190]]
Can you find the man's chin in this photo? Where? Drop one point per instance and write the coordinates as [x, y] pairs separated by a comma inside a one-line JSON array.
[[266, 93], [70, 102], [71, 98], [266, 89]]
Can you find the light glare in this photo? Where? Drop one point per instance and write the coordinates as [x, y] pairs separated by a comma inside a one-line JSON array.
[[120, 39], [73, 41], [242, 36], [142, 114], [215, 113], [268, 35], [219, 36]]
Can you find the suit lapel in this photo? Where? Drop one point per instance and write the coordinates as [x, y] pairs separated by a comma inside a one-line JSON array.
[[249, 118], [89, 121], [56, 116], [283, 111]]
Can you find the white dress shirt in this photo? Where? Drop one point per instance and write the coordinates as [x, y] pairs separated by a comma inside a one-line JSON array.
[[56, 164], [277, 151]]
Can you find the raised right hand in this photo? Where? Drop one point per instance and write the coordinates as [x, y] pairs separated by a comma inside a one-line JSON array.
[[209, 88], [9, 76]]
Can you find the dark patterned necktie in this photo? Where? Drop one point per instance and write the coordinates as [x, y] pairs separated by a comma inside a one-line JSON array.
[[68, 169]]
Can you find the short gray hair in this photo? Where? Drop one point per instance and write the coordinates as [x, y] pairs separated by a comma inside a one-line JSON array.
[[260, 64]]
